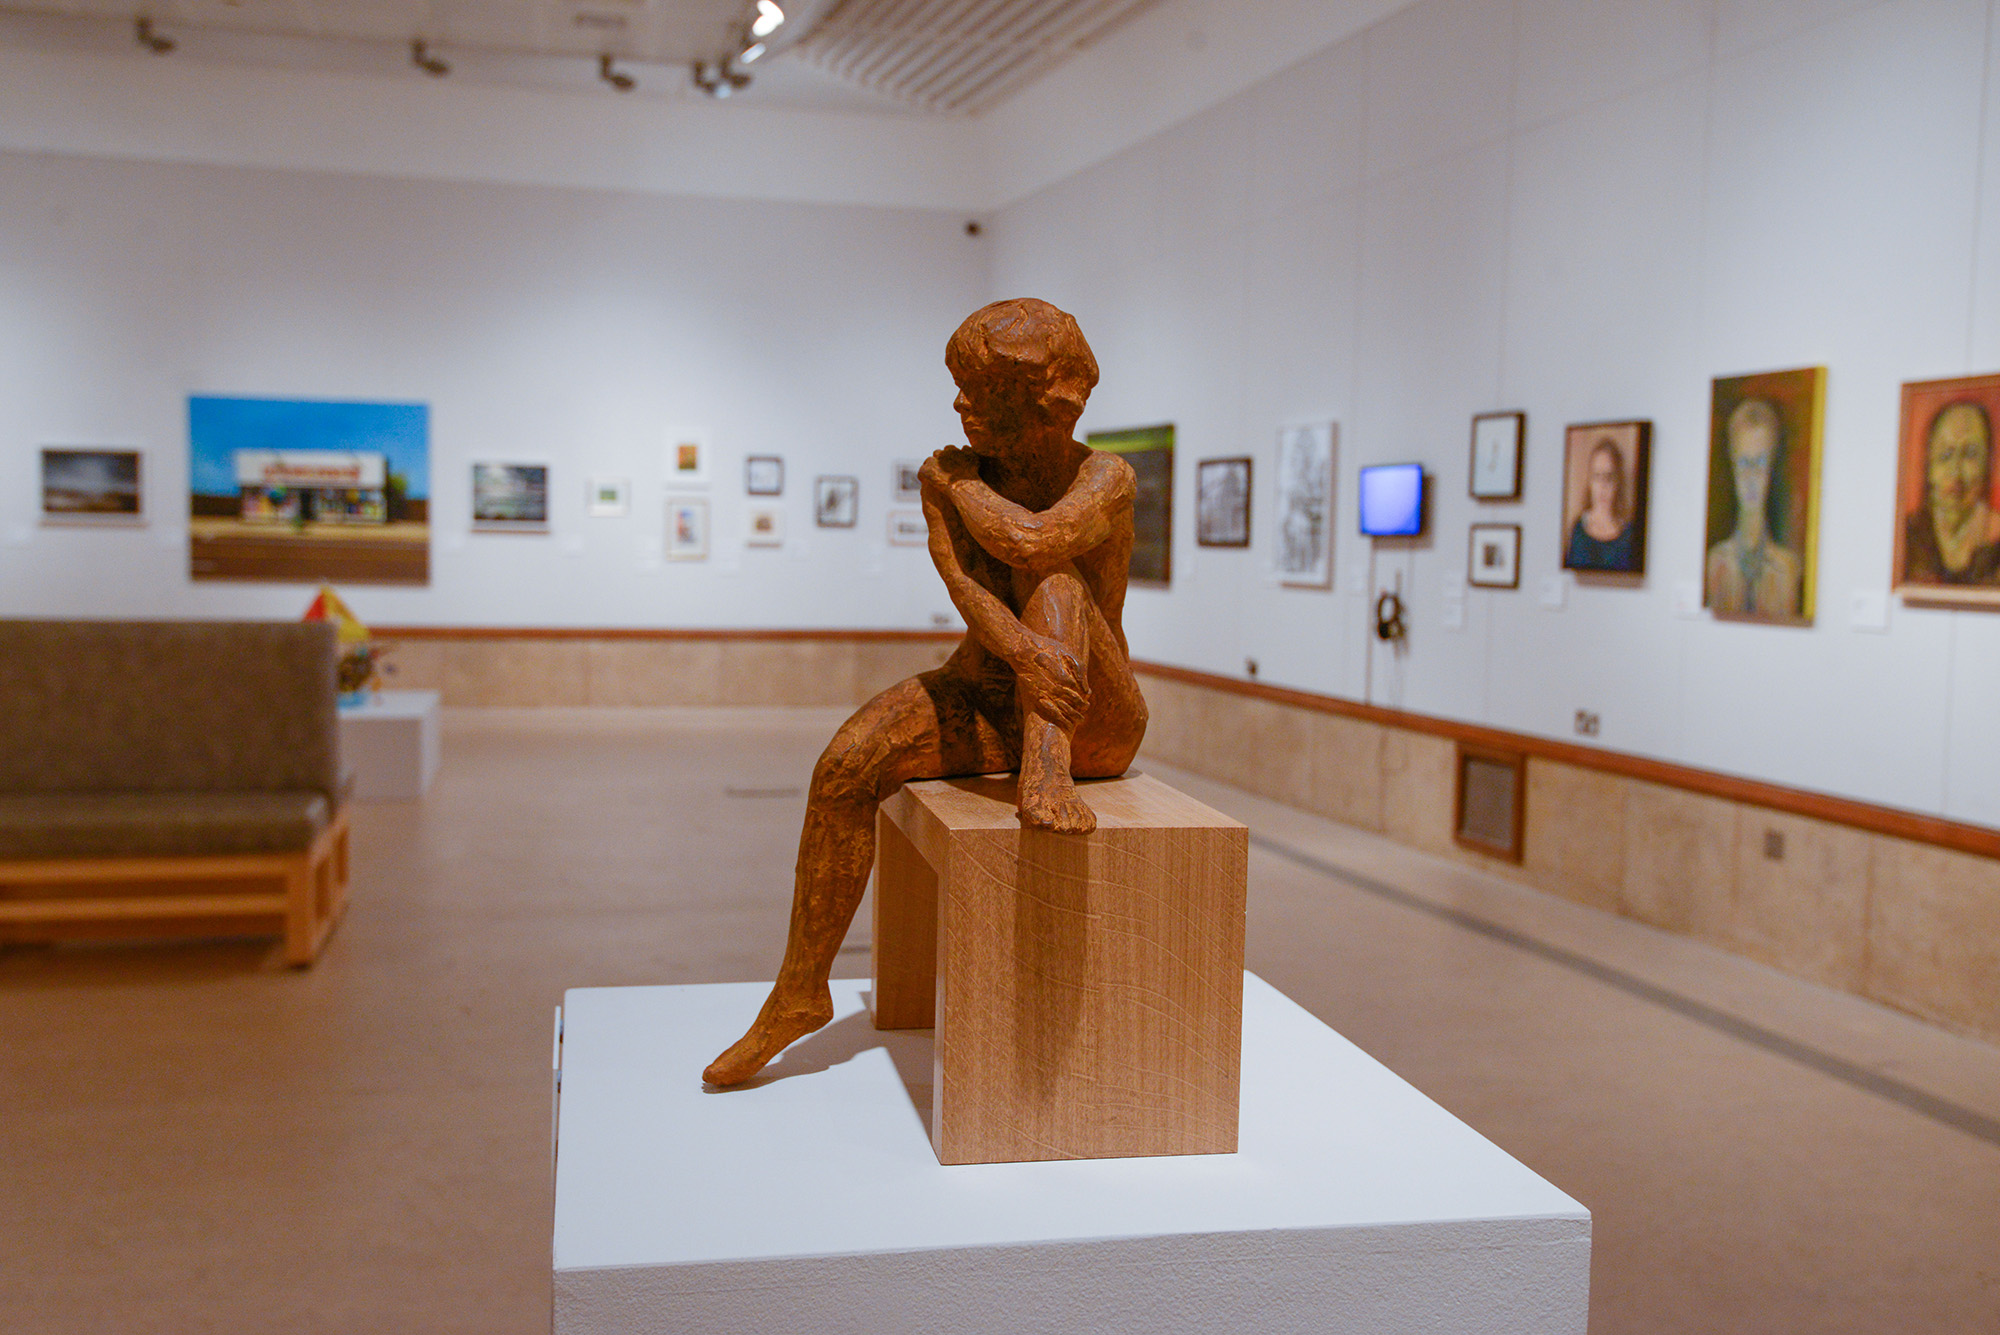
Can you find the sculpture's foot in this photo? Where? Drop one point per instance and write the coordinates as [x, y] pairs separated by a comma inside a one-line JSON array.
[[1055, 806], [782, 1021]]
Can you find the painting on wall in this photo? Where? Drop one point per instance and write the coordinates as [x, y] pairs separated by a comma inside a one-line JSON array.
[[309, 490], [836, 501], [1150, 451], [1763, 495], [1948, 493], [686, 462], [1493, 558], [1305, 505], [687, 528], [1498, 440], [1604, 496], [764, 526], [908, 529], [764, 475], [903, 479], [91, 486], [608, 498], [1222, 503], [510, 498]]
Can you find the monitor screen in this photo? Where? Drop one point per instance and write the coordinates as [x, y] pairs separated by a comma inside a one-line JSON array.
[[1392, 500]]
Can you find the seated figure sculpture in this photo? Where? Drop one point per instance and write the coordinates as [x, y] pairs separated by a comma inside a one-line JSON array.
[[1032, 533]]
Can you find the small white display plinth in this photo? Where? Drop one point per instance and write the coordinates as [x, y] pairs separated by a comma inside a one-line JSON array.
[[811, 1201], [390, 743]]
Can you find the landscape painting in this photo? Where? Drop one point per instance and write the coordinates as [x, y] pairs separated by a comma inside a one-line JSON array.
[[1150, 451]]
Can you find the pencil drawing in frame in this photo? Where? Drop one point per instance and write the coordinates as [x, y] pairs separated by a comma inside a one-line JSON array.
[[1304, 532]]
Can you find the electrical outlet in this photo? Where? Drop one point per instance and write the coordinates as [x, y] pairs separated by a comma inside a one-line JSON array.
[[1586, 723], [1774, 845]]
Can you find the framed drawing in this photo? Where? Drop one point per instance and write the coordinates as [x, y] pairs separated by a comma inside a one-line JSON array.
[[1222, 502], [1493, 559], [91, 486], [903, 482], [687, 528], [1947, 504], [1604, 496], [1763, 495], [1305, 505], [309, 490], [610, 497], [764, 526], [764, 475], [686, 462], [510, 498], [907, 529], [836, 501], [1150, 451], [1497, 440]]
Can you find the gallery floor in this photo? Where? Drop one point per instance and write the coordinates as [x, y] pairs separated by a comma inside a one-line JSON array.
[[193, 1139]]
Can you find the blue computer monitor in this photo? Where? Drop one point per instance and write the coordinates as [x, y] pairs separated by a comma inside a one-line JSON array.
[[1392, 500]]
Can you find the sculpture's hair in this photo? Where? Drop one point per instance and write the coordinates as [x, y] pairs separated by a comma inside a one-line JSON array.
[[1026, 334], [1978, 410], [1621, 499]]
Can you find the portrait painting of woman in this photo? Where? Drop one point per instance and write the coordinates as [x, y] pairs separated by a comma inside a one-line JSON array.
[[1948, 509], [1604, 497]]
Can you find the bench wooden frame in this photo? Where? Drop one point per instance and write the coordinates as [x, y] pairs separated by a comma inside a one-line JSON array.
[[297, 895]]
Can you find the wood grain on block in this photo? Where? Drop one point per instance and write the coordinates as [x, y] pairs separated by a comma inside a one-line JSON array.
[[905, 932], [1089, 987]]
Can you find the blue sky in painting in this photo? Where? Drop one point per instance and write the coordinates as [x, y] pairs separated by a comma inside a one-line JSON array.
[[217, 428]]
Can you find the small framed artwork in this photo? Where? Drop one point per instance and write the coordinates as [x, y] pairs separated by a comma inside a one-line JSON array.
[[1222, 503], [686, 462], [1604, 497], [1948, 494], [1494, 558], [1763, 495], [510, 498], [764, 475], [91, 486], [1497, 439], [609, 498], [1150, 452], [764, 526], [908, 529], [904, 483], [1492, 801], [836, 501], [1305, 505], [687, 528]]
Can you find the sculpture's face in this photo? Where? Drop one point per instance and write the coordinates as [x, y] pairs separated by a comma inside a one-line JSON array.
[[995, 410], [1960, 463]]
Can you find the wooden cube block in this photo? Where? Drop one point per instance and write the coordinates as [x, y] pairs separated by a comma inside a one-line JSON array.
[[1086, 990]]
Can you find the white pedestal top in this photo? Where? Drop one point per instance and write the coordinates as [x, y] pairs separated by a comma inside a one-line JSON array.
[[670, 1194], [392, 704]]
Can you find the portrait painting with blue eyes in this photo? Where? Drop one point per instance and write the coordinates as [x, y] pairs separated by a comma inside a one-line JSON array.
[[1604, 497], [1763, 495], [1948, 493]]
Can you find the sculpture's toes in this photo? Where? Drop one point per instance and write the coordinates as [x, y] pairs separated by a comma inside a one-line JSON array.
[[775, 1030], [1064, 814]]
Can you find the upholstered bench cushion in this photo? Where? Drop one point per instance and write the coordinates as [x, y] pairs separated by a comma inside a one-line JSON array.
[[166, 824]]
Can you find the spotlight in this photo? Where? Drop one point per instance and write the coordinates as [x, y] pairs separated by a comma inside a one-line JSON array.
[[750, 53], [769, 17], [142, 32], [421, 57], [618, 79], [718, 80]]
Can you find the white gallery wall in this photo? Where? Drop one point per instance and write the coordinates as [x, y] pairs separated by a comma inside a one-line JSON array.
[[1584, 209], [575, 328]]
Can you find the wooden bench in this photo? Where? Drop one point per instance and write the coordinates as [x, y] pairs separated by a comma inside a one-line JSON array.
[[1086, 991]]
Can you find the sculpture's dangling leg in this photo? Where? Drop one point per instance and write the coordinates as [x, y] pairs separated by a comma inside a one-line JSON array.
[[1059, 608]]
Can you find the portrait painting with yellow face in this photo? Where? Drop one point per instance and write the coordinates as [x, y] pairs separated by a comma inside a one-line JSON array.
[[1947, 505], [1763, 495]]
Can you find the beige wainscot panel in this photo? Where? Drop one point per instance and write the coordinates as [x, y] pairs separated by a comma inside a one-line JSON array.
[[1680, 859], [1934, 935], [1575, 841], [655, 672], [1261, 747], [880, 664], [1801, 898], [413, 665], [1175, 712], [786, 672], [516, 672], [1418, 777], [1346, 773]]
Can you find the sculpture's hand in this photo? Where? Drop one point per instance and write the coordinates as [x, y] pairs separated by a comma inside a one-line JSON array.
[[953, 463], [1053, 681]]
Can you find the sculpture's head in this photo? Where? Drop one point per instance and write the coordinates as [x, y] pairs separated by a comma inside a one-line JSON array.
[[1022, 369]]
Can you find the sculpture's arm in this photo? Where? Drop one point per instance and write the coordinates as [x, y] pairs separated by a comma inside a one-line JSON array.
[[1074, 526], [1053, 677]]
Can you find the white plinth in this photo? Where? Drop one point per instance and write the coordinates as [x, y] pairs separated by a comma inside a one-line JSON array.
[[390, 744], [811, 1201]]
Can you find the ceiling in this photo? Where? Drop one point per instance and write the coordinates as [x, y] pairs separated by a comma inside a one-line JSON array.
[[923, 57]]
